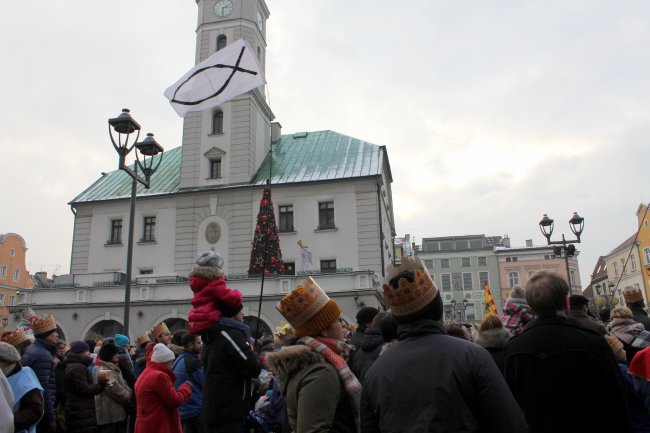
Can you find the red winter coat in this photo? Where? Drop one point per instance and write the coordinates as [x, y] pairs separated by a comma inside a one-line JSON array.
[[158, 401], [210, 291]]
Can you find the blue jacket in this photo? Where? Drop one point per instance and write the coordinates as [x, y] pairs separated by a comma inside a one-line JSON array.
[[39, 358], [188, 367]]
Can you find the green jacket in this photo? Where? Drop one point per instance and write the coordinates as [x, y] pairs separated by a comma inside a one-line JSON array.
[[314, 396]]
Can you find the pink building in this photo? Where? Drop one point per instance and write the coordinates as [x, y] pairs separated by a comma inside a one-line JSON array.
[[518, 264]]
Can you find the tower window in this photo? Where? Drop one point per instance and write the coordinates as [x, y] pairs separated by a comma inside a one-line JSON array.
[[215, 168], [326, 215], [286, 218], [222, 41], [217, 122]]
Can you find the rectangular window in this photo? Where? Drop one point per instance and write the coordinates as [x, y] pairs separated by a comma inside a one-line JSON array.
[[646, 253], [466, 262], [289, 268], [470, 312], [146, 271], [446, 282], [513, 278], [12, 301], [3, 271], [615, 269], [514, 259], [326, 215], [2, 300], [467, 281], [482, 261], [444, 263], [215, 168], [428, 263], [149, 233], [632, 263], [328, 266], [116, 232], [286, 218], [508, 259], [482, 278], [16, 274]]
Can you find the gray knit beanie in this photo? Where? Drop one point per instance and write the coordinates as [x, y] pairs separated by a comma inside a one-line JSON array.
[[9, 353], [210, 259]]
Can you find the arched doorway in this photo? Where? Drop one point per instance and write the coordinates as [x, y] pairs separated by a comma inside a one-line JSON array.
[[106, 328], [176, 324], [264, 329]]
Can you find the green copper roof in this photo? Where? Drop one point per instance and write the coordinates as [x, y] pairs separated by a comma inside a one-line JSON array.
[[319, 156], [300, 157], [117, 184]]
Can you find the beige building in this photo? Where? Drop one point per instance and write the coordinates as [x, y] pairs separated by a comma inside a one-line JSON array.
[[624, 267]]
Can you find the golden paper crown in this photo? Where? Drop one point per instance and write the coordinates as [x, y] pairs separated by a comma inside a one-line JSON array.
[[408, 298], [142, 339], [631, 295], [15, 337], [44, 324], [302, 303], [159, 330]]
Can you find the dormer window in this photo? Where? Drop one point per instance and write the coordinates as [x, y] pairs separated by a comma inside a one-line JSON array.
[[222, 41], [215, 158], [217, 122]]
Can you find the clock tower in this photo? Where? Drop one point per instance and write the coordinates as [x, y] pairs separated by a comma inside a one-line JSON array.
[[225, 145]]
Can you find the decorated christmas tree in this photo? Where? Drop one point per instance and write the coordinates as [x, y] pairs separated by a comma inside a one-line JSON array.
[[266, 238]]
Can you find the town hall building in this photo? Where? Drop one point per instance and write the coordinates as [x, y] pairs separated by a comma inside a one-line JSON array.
[[331, 194]]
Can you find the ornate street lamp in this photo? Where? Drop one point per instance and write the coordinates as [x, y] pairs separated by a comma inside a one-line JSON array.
[[566, 247], [124, 125]]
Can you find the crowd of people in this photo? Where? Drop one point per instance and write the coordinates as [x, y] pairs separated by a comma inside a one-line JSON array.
[[546, 365]]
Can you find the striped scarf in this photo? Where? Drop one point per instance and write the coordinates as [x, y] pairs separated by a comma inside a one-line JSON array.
[[332, 350]]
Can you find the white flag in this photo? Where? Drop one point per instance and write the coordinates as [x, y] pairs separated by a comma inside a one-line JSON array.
[[226, 74]]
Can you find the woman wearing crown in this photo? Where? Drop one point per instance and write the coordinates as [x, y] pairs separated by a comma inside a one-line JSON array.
[[320, 391]]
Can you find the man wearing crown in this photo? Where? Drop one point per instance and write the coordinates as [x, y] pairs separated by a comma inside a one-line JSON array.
[[40, 357], [432, 381]]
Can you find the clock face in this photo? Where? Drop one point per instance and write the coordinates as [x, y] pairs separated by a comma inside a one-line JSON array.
[[260, 23], [222, 8]]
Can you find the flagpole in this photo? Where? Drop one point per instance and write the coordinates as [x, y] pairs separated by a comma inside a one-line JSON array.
[[266, 244]]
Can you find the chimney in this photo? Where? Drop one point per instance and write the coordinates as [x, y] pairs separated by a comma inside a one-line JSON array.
[[276, 132], [506, 241], [529, 243]]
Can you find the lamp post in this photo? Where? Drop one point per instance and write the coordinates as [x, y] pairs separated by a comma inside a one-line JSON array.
[[565, 247], [460, 307], [124, 125], [608, 294]]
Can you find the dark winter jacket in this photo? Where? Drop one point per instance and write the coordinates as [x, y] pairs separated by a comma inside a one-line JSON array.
[[558, 367], [588, 322], [40, 358], [126, 366], [314, 396], [494, 341], [366, 355], [188, 367], [59, 375], [80, 415], [357, 337], [434, 382], [140, 359], [640, 315], [31, 405], [229, 364]]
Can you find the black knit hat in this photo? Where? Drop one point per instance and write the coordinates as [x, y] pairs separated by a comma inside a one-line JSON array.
[[365, 315], [230, 311], [107, 352], [578, 301]]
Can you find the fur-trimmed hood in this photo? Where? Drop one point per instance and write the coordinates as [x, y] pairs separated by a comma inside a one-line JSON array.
[[493, 338], [290, 359], [206, 272]]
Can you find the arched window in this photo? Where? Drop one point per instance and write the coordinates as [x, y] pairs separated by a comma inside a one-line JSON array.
[[217, 122], [222, 41]]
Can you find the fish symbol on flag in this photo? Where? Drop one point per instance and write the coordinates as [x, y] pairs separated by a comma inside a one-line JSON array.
[[228, 73]]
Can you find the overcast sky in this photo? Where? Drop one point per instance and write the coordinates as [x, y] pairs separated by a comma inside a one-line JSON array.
[[493, 112]]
